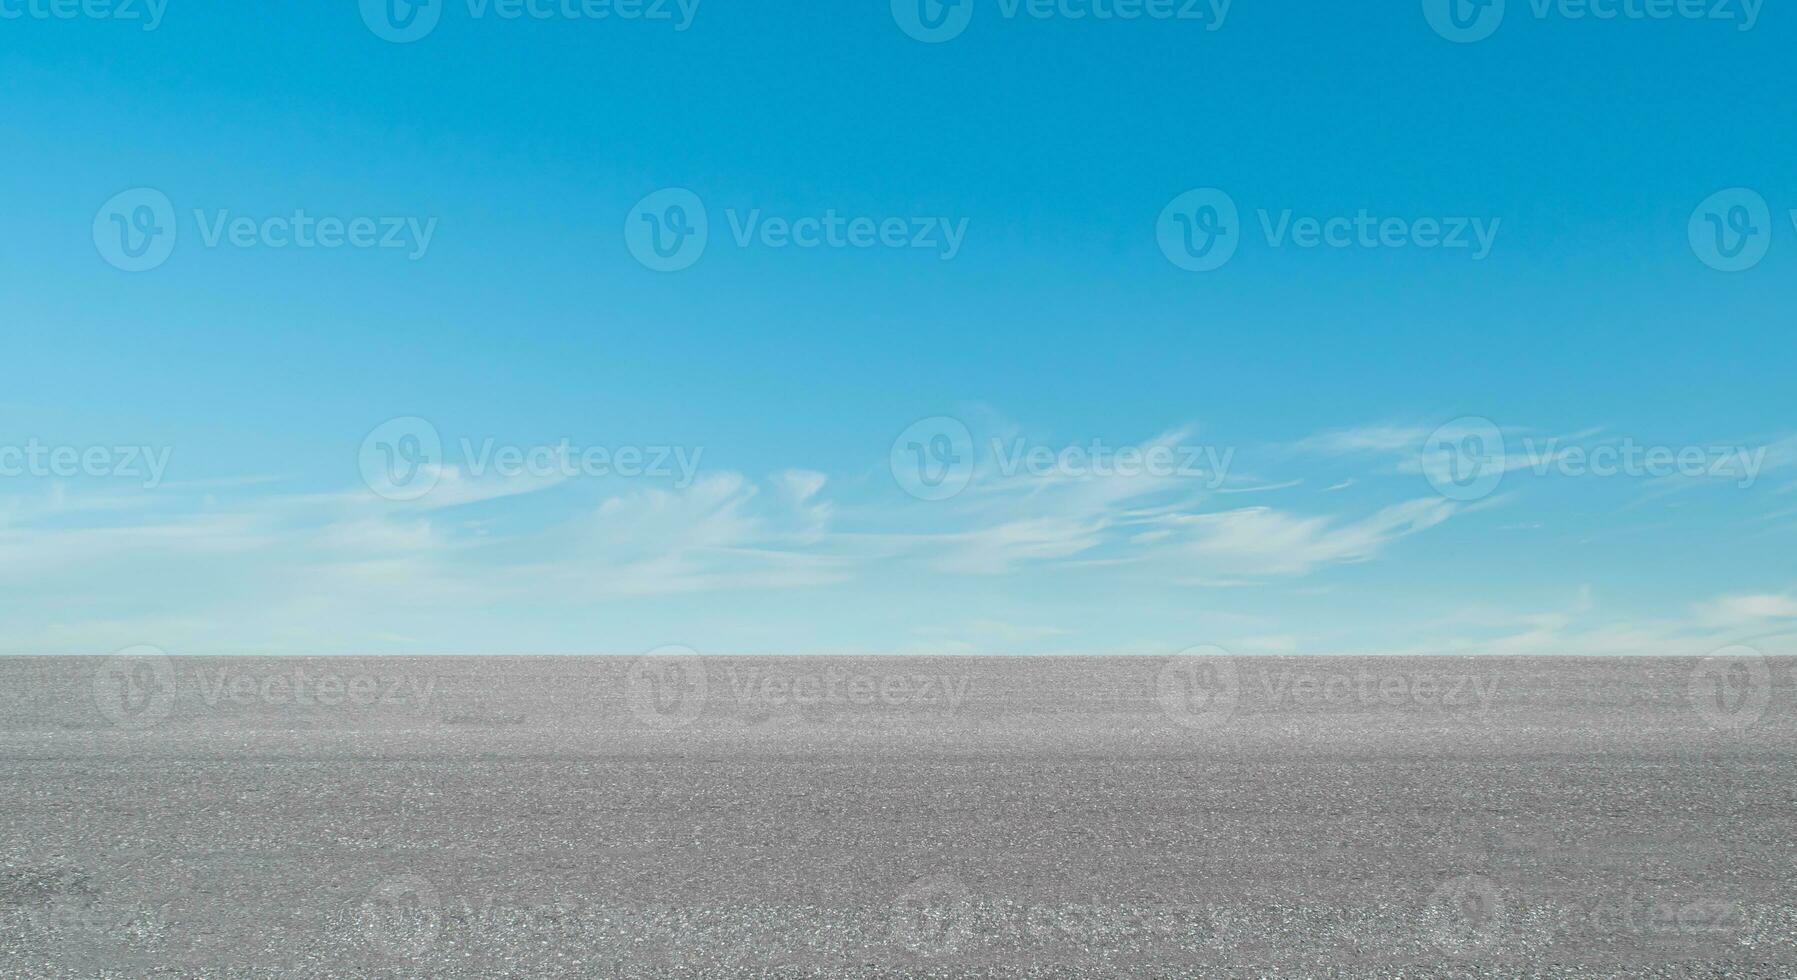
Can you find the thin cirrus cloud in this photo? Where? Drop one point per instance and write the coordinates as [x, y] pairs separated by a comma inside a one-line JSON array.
[[1403, 446], [1522, 450], [1161, 524], [1368, 439], [256, 568], [1586, 626], [723, 532], [720, 533], [1739, 609], [1261, 541]]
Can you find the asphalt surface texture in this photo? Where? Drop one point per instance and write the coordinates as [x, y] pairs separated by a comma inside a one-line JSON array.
[[882, 817]]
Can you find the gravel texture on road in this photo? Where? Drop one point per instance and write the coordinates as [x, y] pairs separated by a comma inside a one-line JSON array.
[[882, 817]]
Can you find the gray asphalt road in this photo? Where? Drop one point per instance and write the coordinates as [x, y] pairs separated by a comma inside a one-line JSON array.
[[884, 817]]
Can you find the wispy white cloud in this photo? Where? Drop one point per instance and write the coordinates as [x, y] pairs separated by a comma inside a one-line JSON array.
[[1003, 547], [1162, 525], [1737, 610], [293, 568], [1367, 439], [1261, 541], [712, 535], [1583, 627], [299, 571]]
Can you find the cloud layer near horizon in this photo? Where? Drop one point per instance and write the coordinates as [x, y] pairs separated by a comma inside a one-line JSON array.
[[1273, 548]]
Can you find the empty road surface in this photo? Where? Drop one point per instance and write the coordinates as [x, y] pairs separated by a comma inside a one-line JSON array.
[[878, 817]]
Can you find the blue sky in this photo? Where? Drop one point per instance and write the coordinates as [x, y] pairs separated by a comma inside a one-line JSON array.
[[514, 166]]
